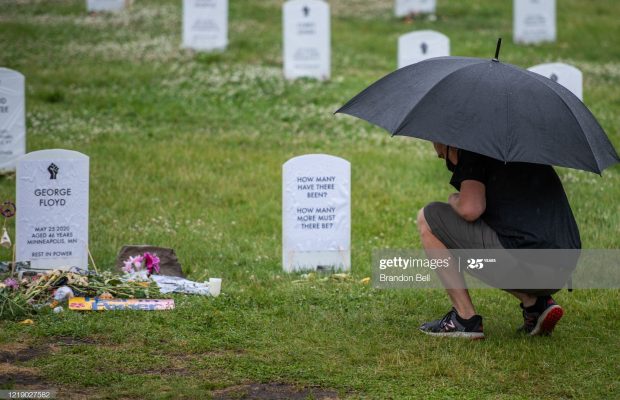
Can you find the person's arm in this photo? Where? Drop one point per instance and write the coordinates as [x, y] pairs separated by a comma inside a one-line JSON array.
[[470, 203]]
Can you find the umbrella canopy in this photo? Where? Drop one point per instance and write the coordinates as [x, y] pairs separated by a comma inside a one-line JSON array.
[[488, 107]]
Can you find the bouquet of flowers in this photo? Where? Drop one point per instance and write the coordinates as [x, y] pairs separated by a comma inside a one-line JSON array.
[[141, 267], [21, 298]]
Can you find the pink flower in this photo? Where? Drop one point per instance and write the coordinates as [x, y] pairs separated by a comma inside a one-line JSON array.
[[132, 263], [152, 262], [128, 266], [136, 261], [11, 283]]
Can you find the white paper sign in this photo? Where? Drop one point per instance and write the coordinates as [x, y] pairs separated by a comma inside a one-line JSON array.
[[564, 74], [52, 209], [205, 24], [316, 213], [405, 7], [106, 5], [416, 46], [534, 21], [307, 48], [12, 119]]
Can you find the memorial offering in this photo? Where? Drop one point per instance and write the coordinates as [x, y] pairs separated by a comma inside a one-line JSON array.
[[12, 119], [97, 304], [566, 75], [52, 201], [534, 21], [403, 8], [307, 46], [417, 46], [205, 24], [25, 296], [316, 213]]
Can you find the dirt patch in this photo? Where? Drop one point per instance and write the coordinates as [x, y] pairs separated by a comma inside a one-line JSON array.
[[72, 341], [17, 353], [20, 377], [273, 391]]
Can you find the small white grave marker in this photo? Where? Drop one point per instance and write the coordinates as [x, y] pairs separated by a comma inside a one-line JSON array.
[[52, 209], [564, 74], [307, 48], [534, 21], [316, 213], [403, 8], [106, 5], [205, 24], [12, 119], [416, 46]]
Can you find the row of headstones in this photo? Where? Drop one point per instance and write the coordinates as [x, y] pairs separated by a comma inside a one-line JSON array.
[[53, 203], [307, 28], [12, 91]]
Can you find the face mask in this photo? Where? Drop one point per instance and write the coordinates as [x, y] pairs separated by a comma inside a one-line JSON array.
[[451, 166]]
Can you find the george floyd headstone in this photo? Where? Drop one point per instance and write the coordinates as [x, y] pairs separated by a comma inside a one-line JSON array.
[[416, 46], [52, 209], [205, 24], [307, 47], [106, 5], [316, 213], [12, 119], [534, 21], [566, 75], [403, 8]]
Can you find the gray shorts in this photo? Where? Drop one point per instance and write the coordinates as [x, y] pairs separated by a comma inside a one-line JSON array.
[[457, 233]]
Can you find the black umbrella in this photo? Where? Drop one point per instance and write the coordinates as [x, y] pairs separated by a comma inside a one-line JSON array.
[[488, 107]]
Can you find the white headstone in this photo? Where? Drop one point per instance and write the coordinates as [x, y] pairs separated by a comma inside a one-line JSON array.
[[307, 46], [12, 119], [534, 21], [416, 46], [52, 209], [405, 7], [205, 24], [564, 74], [316, 213], [106, 5]]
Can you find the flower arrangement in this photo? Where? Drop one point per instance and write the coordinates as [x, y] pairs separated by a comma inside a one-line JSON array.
[[23, 298], [136, 265]]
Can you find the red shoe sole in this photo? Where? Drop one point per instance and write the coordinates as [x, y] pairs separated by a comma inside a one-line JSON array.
[[550, 320]]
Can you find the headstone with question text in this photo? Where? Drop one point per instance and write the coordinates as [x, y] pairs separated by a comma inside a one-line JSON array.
[[417, 46], [52, 209], [405, 7], [534, 21], [205, 24], [316, 213], [307, 46], [566, 75], [12, 119]]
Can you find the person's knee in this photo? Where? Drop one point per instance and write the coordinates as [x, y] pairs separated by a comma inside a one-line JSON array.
[[429, 209]]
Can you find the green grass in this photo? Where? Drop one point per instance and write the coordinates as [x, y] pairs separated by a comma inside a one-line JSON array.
[[186, 152]]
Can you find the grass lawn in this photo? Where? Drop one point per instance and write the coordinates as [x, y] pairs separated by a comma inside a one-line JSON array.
[[186, 152]]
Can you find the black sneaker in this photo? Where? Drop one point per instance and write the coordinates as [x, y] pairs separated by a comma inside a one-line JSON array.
[[452, 325], [541, 318]]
